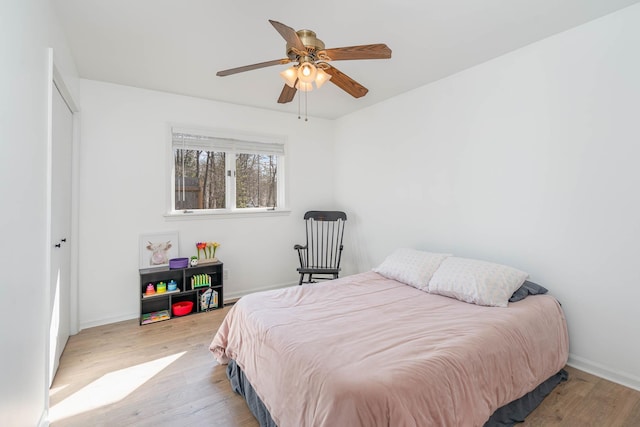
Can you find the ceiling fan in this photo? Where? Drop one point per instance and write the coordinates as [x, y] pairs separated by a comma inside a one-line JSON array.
[[304, 48]]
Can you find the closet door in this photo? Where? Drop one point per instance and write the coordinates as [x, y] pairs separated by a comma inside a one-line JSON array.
[[60, 302]]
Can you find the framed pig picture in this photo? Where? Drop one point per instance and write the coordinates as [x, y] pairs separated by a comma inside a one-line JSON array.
[[156, 249]]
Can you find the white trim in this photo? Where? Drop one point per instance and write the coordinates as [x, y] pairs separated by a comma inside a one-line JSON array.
[[44, 417], [283, 178], [64, 90], [109, 320], [237, 295], [229, 182], [74, 290], [171, 169], [597, 369], [48, 239], [227, 299], [67, 97], [226, 213]]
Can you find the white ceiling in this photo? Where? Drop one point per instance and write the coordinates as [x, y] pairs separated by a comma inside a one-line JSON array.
[[178, 46]]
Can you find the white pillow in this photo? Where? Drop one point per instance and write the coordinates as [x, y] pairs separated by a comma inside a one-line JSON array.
[[477, 282], [411, 267]]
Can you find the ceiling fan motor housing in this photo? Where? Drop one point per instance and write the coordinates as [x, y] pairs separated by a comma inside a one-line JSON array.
[[310, 41]]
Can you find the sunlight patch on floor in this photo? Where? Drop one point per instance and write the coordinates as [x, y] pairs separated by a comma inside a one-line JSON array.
[[110, 388]]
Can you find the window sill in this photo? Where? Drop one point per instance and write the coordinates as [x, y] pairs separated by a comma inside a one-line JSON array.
[[224, 213]]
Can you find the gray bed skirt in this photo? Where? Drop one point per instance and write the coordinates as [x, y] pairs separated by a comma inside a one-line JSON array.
[[508, 415]]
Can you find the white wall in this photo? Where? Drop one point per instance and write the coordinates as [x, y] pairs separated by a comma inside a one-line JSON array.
[[27, 29], [530, 160], [123, 193]]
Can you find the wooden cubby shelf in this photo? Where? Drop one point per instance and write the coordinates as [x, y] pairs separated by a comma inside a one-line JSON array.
[[157, 307]]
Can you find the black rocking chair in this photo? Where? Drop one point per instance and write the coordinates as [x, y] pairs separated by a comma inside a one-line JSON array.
[[320, 256]]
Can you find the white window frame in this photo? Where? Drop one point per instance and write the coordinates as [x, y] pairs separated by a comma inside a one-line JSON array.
[[236, 142]]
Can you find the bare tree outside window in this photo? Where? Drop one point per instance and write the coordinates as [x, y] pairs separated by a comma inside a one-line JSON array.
[[256, 180], [199, 179], [215, 170]]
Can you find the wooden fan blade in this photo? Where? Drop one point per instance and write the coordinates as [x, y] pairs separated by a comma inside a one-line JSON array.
[[252, 67], [346, 83], [287, 94], [289, 34], [365, 51]]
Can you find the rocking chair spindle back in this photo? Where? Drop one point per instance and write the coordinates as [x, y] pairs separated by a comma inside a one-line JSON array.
[[321, 255]]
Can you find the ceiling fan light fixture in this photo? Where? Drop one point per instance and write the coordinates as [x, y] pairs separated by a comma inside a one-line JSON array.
[[290, 75], [310, 57], [307, 72], [322, 77]]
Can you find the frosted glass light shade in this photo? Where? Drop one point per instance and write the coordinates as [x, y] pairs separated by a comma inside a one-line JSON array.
[[307, 72], [289, 76], [322, 77]]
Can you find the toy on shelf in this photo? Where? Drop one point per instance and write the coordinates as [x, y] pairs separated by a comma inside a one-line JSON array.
[[161, 288], [208, 250], [200, 280], [208, 300], [154, 316], [150, 290]]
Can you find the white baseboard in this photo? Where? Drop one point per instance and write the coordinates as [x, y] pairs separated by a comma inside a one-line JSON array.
[[44, 419], [227, 298], [108, 320], [237, 295], [622, 378]]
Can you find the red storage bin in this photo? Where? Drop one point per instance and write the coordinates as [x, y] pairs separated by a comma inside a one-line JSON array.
[[181, 308]]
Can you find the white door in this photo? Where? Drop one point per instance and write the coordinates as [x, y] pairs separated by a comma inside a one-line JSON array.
[[60, 303]]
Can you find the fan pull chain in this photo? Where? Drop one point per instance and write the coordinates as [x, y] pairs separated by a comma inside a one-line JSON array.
[[306, 116], [298, 105]]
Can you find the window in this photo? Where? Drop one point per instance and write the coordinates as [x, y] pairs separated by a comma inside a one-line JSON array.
[[217, 171]]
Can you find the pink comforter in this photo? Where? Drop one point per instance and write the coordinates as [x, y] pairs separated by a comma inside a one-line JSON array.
[[367, 351]]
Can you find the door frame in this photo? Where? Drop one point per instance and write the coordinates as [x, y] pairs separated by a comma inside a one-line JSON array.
[[55, 80], [68, 98]]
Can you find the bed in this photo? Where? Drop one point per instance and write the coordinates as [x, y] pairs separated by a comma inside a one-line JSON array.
[[369, 350]]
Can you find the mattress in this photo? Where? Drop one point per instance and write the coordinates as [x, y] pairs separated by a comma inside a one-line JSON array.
[[366, 350]]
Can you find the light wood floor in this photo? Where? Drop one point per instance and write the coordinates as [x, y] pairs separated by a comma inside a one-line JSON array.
[[125, 375]]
